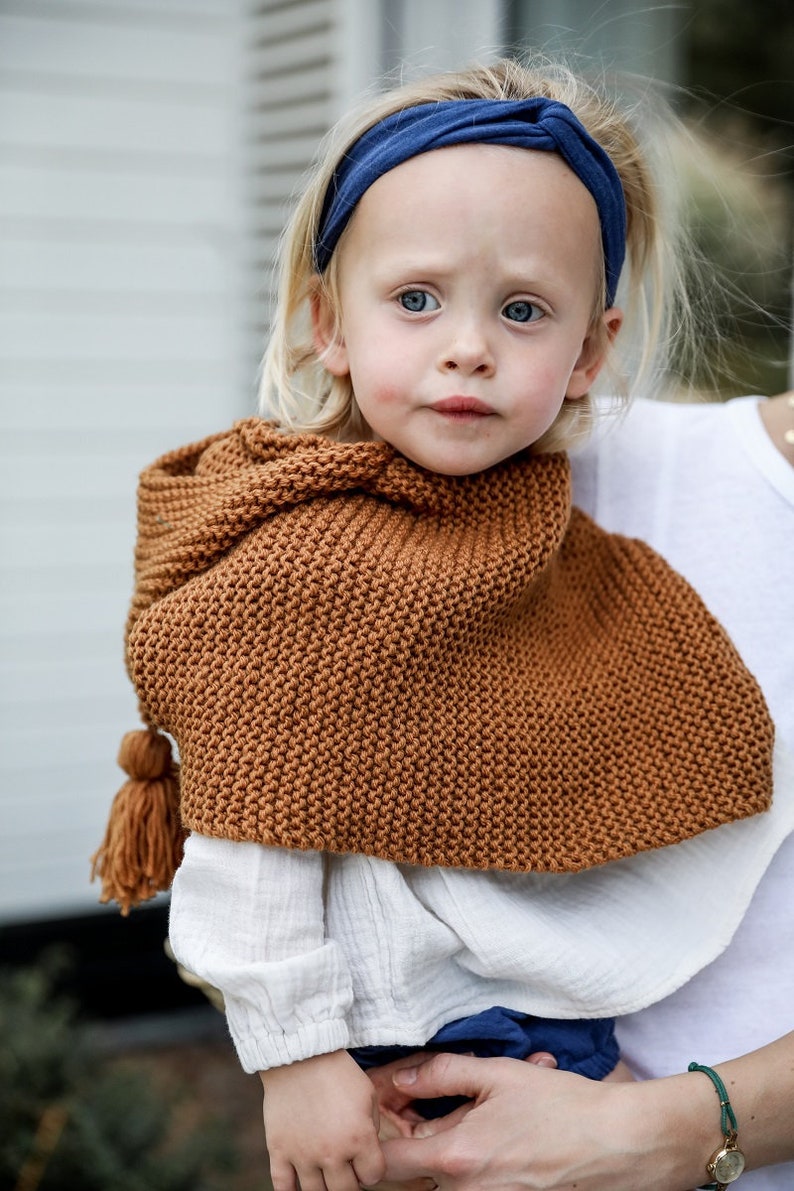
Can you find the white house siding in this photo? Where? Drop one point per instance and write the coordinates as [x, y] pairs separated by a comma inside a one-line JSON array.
[[120, 336], [291, 49]]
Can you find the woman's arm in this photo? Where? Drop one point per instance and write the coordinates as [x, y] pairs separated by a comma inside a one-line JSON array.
[[535, 1128]]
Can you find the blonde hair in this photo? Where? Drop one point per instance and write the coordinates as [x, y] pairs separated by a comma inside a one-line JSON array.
[[301, 395]]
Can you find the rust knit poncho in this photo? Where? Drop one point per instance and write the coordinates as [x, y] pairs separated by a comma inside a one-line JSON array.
[[357, 655]]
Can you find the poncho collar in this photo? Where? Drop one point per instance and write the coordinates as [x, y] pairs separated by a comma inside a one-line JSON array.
[[195, 503]]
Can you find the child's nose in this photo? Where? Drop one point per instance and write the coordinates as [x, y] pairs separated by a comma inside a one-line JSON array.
[[470, 354]]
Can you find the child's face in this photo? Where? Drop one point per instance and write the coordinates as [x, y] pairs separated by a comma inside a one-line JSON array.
[[467, 282]]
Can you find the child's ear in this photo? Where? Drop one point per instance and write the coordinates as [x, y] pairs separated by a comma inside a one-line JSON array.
[[594, 350], [328, 341]]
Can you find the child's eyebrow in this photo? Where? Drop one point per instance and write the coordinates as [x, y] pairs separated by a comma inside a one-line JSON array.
[[413, 269], [529, 277]]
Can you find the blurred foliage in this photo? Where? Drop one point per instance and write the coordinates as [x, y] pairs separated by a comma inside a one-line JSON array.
[[738, 210], [71, 1120], [742, 54], [737, 68]]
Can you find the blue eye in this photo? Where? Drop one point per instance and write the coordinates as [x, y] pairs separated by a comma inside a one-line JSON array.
[[522, 312], [418, 301]]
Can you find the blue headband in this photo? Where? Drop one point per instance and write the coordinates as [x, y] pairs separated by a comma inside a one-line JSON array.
[[525, 123]]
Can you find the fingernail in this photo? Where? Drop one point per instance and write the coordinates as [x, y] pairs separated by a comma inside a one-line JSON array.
[[405, 1076]]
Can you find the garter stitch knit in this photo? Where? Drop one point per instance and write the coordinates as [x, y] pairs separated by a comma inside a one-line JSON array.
[[356, 655]]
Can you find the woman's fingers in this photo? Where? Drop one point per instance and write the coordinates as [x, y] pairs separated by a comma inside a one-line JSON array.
[[446, 1075]]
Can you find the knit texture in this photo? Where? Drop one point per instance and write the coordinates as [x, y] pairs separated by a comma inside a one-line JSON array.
[[356, 655]]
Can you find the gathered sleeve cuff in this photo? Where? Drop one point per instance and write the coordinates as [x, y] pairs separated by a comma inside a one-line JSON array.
[[250, 921]]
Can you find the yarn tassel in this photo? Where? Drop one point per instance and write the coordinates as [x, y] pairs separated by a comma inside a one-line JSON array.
[[144, 839]]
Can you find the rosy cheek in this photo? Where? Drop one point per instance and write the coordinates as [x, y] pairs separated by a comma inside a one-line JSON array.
[[385, 394]]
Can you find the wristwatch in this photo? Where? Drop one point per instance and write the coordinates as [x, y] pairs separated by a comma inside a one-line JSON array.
[[726, 1164]]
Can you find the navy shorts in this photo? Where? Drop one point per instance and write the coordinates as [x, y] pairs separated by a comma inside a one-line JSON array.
[[587, 1048]]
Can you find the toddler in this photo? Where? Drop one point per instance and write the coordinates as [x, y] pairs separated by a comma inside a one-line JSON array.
[[415, 692]]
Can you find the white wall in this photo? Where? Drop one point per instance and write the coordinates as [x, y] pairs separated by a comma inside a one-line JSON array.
[[121, 325]]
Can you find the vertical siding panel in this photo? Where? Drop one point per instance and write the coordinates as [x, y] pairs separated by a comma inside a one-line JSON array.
[[289, 70], [122, 333]]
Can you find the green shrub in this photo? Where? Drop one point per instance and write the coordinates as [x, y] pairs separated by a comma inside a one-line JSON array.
[[71, 1120]]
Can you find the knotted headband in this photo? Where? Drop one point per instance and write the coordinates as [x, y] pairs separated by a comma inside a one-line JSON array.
[[535, 123]]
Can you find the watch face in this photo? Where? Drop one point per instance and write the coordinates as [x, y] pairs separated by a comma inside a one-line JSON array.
[[728, 1165]]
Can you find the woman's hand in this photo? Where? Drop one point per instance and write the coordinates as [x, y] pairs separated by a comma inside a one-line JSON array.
[[399, 1118], [321, 1125], [533, 1128]]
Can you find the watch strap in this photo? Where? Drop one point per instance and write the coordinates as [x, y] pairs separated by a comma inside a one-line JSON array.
[[728, 1124]]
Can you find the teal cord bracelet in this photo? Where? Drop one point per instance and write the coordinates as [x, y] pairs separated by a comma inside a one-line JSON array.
[[727, 1163]]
